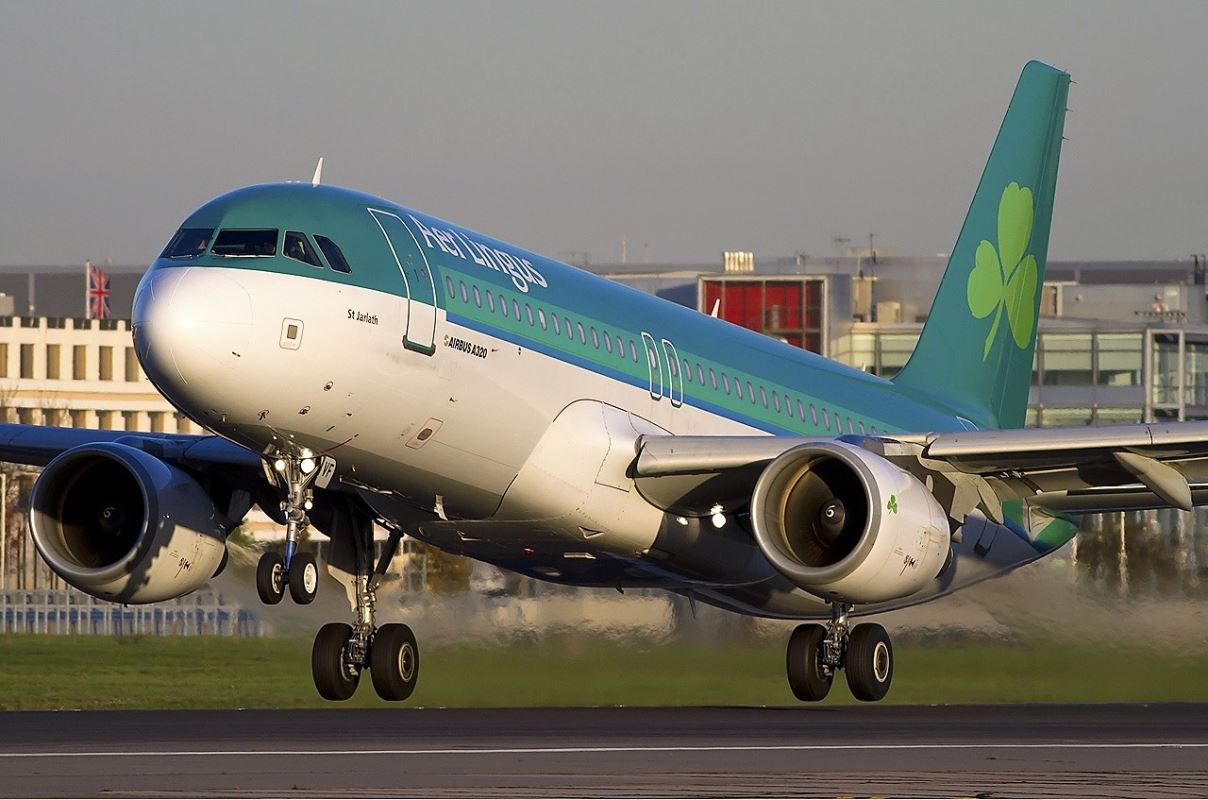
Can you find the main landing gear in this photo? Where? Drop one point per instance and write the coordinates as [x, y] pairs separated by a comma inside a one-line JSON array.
[[294, 570], [817, 652], [341, 651]]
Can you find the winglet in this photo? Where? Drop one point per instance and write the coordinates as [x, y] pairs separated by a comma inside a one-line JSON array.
[[318, 178]]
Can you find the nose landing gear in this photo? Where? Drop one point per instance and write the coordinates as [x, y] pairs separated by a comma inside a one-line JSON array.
[[293, 570], [817, 652]]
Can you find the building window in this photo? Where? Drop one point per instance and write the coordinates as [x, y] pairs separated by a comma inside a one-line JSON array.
[[105, 359], [104, 420], [27, 361], [79, 362], [130, 420], [131, 365], [3, 359], [52, 362], [157, 421], [79, 418]]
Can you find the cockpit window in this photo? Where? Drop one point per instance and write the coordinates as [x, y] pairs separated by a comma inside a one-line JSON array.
[[188, 243], [246, 242], [334, 256], [297, 248]]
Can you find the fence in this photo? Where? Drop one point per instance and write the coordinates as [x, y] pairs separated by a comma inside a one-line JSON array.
[[49, 611]]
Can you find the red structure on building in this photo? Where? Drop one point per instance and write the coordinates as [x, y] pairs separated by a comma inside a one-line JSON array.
[[791, 308]]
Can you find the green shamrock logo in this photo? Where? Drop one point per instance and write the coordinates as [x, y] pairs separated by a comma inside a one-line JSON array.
[[892, 505], [1005, 278]]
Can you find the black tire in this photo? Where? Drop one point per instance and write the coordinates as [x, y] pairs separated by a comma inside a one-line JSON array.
[[869, 664], [394, 662], [303, 578], [222, 565], [806, 677], [334, 678], [270, 578]]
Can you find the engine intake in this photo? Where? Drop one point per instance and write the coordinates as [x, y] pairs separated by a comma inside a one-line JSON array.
[[122, 525], [845, 524]]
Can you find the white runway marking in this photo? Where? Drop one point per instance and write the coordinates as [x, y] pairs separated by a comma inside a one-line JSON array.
[[470, 751]]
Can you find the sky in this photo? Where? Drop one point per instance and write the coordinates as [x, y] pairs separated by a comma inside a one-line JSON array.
[[679, 128]]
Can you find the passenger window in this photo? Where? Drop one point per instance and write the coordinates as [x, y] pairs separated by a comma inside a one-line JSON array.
[[516, 309], [862, 428], [541, 318], [700, 374], [297, 248], [713, 379], [595, 338], [570, 330], [633, 351], [607, 342], [725, 383], [465, 296], [452, 290], [188, 243], [503, 307], [477, 297], [528, 312], [825, 419], [738, 388], [334, 255], [246, 243], [775, 400], [813, 413], [582, 333], [620, 347], [557, 328], [490, 301], [751, 393], [850, 428], [687, 371]]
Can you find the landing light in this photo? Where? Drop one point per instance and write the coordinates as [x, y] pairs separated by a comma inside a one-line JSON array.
[[279, 465], [719, 519], [308, 466]]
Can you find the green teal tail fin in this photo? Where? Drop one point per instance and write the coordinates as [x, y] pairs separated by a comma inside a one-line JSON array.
[[975, 352]]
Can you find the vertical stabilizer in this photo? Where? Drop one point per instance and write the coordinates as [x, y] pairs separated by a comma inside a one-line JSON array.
[[975, 352]]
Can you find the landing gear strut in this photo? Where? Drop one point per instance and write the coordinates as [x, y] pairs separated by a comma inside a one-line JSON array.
[[342, 652], [817, 652], [296, 571]]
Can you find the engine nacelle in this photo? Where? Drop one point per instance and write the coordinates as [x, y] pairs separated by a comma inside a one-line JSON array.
[[845, 524], [122, 525]]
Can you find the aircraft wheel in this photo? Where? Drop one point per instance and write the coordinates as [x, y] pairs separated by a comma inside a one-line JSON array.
[[394, 662], [303, 578], [334, 677], [270, 578], [869, 664], [807, 678]]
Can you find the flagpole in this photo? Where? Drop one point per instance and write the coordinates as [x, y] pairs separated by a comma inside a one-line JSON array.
[[87, 275]]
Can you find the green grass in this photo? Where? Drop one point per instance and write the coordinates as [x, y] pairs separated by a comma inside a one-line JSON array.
[[101, 672]]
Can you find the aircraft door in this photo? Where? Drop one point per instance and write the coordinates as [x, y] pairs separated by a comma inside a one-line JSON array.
[[418, 282], [655, 367], [675, 381]]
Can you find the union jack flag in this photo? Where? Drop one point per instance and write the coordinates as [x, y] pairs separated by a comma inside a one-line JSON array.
[[96, 295]]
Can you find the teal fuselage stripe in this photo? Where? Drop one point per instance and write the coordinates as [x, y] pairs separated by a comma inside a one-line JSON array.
[[614, 374]]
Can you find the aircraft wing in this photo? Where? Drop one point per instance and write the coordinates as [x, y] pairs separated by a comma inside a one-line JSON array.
[[38, 445], [1062, 470]]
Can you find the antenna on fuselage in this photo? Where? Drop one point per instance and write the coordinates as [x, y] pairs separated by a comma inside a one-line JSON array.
[[318, 178], [716, 308]]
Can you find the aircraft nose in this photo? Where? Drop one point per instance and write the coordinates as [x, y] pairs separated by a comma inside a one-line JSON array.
[[191, 328]]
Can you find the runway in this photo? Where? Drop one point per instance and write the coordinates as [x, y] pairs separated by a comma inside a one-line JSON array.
[[817, 751]]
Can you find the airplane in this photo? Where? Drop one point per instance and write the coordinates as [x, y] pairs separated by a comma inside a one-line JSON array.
[[359, 362]]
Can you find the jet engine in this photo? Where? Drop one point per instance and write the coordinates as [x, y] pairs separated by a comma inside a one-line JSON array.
[[122, 525], [845, 524]]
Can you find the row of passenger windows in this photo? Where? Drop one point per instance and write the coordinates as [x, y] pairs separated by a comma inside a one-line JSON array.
[[793, 408], [256, 243]]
